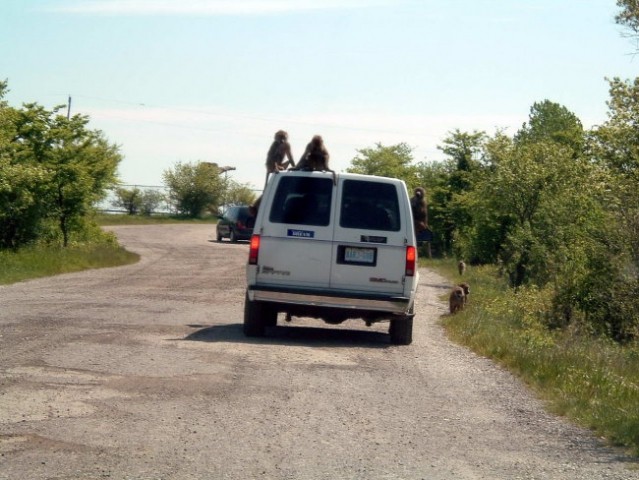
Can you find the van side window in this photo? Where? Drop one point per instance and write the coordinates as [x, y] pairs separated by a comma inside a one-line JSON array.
[[303, 201], [369, 206]]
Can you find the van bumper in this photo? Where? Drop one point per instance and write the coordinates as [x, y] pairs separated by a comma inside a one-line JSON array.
[[372, 302]]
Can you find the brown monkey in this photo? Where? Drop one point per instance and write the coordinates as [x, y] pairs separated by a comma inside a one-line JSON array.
[[253, 209], [419, 208], [461, 267], [456, 300], [279, 149], [466, 288], [315, 157]]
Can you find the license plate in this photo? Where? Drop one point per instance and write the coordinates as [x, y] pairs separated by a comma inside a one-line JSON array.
[[359, 255]]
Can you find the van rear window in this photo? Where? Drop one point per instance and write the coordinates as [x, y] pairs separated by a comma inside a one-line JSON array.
[[303, 201], [370, 206]]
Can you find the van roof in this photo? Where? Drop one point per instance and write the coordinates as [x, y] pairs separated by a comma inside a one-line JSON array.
[[345, 175]]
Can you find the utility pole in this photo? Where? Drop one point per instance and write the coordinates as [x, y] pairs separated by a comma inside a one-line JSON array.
[[69, 108]]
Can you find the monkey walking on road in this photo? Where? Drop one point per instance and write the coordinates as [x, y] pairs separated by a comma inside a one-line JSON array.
[[461, 267], [456, 300]]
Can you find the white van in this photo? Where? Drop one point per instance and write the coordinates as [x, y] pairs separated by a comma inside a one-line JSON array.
[[335, 248]]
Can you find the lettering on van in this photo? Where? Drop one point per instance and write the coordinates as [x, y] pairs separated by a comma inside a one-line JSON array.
[[271, 271], [301, 233], [373, 239], [382, 280]]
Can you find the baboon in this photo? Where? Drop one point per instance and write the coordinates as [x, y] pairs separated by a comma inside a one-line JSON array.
[[466, 288], [461, 266], [456, 300], [315, 157], [419, 208], [255, 207], [280, 148]]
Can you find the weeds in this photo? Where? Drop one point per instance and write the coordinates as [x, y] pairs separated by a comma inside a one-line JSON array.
[[35, 262], [589, 379]]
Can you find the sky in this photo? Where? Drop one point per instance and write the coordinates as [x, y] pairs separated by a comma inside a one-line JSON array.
[[212, 80]]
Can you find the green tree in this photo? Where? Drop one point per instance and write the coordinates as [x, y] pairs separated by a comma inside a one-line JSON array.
[[150, 200], [23, 190], [464, 160], [128, 199], [549, 121], [629, 15], [77, 165], [239, 194], [609, 292], [194, 187], [394, 161]]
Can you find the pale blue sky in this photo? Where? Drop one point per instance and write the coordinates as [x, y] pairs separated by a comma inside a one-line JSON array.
[[212, 80]]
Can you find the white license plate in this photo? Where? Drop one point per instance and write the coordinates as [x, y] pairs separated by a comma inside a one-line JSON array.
[[359, 255]]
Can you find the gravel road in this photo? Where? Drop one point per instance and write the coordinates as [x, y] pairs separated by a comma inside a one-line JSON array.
[[142, 372]]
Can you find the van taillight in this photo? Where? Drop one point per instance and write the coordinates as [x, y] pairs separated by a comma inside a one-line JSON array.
[[411, 259], [254, 250]]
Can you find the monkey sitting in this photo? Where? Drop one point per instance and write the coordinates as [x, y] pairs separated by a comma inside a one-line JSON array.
[[279, 149], [461, 267], [456, 300], [419, 208], [315, 157]]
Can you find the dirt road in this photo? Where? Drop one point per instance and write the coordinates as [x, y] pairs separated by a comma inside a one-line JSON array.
[[142, 372]]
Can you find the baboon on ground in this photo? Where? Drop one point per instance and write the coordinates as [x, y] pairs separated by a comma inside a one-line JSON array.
[[315, 157], [466, 288], [456, 300], [419, 208], [461, 266], [279, 149]]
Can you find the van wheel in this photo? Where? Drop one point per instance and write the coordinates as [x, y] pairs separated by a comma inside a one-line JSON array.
[[401, 331], [233, 236], [219, 237], [256, 317]]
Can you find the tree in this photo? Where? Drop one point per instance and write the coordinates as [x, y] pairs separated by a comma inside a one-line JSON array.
[[629, 15], [23, 190], [464, 152], [549, 121], [239, 194], [128, 199], [74, 165], [609, 293], [194, 187], [150, 201], [394, 161]]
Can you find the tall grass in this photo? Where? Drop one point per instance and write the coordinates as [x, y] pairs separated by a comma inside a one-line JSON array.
[[591, 380], [35, 262]]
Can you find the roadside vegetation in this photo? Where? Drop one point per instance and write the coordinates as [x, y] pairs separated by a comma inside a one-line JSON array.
[[105, 219], [29, 263], [590, 379]]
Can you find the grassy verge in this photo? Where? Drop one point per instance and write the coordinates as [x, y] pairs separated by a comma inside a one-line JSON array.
[[123, 219], [592, 381], [38, 262]]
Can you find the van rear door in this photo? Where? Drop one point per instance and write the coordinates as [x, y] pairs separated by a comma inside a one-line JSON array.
[[297, 237], [369, 250]]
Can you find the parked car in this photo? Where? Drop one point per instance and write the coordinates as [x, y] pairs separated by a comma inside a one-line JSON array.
[[333, 248], [236, 223]]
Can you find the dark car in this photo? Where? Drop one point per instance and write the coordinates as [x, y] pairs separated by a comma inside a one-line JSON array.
[[235, 224]]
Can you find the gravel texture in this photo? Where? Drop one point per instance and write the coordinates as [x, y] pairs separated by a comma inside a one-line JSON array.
[[142, 372]]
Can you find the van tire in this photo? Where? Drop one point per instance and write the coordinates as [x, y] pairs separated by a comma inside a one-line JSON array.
[[233, 236], [254, 318], [401, 331]]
